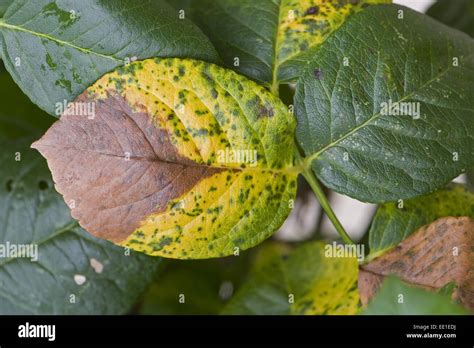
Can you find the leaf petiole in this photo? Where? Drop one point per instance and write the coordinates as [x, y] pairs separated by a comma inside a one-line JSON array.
[[318, 191]]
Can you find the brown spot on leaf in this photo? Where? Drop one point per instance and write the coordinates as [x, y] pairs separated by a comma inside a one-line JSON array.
[[432, 257], [117, 168]]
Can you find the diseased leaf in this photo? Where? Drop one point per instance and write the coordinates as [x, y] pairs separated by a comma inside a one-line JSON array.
[[183, 159], [75, 273], [54, 49], [204, 286], [18, 116], [302, 282], [458, 14], [434, 256], [415, 301], [270, 41], [389, 115], [393, 222]]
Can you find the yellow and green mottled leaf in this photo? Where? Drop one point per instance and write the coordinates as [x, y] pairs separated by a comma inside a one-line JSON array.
[[303, 281], [181, 159], [270, 41]]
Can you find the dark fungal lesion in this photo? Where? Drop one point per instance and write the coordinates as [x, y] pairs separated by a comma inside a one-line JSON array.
[[312, 10], [181, 70], [265, 111]]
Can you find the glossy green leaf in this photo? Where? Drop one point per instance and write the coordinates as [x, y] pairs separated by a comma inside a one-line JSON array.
[[270, 41], [458, 14], [397, 298], [54, 49], [393, 222], [389, 115], [74, 273], [18, 116], [304, 281]]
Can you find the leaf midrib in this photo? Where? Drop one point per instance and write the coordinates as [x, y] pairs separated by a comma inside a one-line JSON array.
[[291, 169], [12, 27], [309, 159]]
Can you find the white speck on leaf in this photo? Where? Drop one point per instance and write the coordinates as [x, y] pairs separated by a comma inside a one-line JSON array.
[[96, 265], [79, 279]]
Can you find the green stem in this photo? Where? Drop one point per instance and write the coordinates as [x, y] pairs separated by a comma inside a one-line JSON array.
[[318, 191], [275, 89]]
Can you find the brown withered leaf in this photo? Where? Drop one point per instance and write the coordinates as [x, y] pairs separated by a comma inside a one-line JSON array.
[[434, 256]]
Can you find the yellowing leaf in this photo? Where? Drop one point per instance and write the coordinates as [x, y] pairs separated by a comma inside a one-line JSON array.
[[303, 281], [176, 158]]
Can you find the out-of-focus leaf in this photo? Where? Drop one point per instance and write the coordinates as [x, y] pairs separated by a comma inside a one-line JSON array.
[[18, 116], [303, 281], [195, 287], [458, 14], [397, 298]]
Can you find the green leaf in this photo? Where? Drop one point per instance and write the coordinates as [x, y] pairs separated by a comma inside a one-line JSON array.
[[458, 14], [303, 282], [357, 142], [189, 160], [415, 301], [393, 222], [18, 116], [71, 264], [204, 286], [181, 5], [56, 49], [4, 5], [273, 39]]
